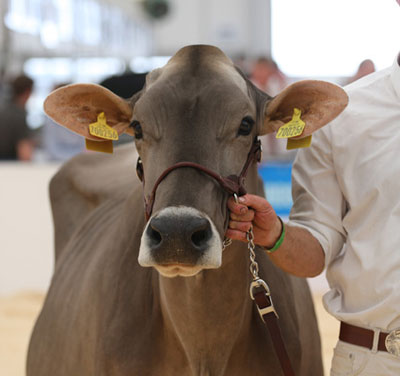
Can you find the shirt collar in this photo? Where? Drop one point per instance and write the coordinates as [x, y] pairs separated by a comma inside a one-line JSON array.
[[395, 76]]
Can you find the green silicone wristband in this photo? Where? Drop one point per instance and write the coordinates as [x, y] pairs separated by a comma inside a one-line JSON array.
[[279, 241]]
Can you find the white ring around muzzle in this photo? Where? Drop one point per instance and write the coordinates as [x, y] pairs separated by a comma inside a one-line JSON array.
[[211, 258]]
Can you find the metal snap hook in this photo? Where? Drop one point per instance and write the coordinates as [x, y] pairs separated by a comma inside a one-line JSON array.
[[269, 307]]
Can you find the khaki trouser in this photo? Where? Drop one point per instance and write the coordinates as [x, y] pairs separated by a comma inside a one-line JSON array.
[[351, 360]]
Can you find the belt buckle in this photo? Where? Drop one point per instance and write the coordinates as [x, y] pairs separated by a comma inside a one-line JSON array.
[[392, 342]]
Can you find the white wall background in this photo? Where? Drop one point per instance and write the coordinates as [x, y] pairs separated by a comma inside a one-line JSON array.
[[314, 38], [26, 230], [236, 26]]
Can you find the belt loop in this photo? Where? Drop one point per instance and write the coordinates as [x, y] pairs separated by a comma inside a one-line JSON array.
[[375, 342]]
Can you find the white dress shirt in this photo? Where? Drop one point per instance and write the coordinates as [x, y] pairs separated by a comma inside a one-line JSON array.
[[346, 192]]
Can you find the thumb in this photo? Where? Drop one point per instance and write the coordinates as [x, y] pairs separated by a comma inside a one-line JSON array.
[[259, 204]]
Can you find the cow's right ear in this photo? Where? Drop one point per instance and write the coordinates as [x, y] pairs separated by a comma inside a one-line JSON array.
[[77, 106]]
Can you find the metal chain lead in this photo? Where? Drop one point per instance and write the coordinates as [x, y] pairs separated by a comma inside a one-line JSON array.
[[257, 283], [251, 247]]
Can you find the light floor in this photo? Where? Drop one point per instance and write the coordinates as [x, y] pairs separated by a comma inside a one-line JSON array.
[[18, 312]]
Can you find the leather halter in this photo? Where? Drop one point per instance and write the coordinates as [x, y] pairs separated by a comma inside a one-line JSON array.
[[231, 184]]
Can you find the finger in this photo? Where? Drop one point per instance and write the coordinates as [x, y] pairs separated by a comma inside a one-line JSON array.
[[236, 235], [238, 209], [248, 217], [260, 204], [241, 226]]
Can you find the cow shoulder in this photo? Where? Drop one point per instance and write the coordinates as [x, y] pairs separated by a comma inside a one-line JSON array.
[[84, 183]]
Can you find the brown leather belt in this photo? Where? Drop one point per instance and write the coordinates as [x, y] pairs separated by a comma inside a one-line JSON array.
[[361, 336]]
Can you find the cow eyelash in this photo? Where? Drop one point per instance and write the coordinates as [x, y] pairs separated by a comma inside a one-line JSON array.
[[137, 128], [246, 126]]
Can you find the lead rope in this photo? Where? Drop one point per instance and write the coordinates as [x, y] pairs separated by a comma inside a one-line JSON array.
[[260, 293]]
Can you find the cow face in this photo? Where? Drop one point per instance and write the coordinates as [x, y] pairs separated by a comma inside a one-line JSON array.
[[198, 108]]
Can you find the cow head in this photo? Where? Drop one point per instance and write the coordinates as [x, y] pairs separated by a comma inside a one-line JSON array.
[[198, 108]]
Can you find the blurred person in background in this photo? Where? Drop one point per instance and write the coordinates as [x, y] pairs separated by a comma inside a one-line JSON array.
[[59, 143], [266, 75], [2, 88], [16, 139], [366, 67], [345, 218]]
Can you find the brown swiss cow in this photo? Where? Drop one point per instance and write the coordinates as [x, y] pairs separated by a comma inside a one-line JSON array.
[[162, 298]]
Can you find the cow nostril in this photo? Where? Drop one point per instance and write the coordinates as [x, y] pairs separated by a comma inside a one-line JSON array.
[[190, 233], [154, 236], [201, 237]]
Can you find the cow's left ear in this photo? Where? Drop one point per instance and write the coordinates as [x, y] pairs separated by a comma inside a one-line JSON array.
[[76, 106], [320, 102]]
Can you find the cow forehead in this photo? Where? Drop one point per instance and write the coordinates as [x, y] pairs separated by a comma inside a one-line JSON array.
[[200, 64], [230, 73], [213, 90], [215, 102], [194, 92]]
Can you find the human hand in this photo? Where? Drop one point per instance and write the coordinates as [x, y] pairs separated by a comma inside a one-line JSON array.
[[257, 211]]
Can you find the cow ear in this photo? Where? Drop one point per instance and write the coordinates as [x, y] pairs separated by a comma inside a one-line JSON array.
[[76, 106], [320, 102]]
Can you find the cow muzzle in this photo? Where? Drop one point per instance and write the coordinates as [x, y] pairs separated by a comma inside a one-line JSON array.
[[180, 241]]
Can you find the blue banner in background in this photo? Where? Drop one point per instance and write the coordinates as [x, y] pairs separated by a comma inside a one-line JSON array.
[[277, 185]]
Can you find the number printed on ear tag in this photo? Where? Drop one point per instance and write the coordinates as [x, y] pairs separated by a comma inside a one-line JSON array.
[[102, 130], [293, 128]]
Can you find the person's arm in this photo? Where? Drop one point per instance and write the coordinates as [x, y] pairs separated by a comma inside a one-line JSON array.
[[300, 253]]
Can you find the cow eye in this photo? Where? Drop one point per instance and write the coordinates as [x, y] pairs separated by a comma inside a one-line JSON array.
[[137, 128], [246, 126]]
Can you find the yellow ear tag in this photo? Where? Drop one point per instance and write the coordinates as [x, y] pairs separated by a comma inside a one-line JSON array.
[[293, 128], [102, 129], [297, 143], [102, 146]]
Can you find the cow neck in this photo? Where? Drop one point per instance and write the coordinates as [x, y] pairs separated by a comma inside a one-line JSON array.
[[232, 184], [217, 305]]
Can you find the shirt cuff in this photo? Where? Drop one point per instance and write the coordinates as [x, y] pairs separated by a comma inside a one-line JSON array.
[[323, 241]]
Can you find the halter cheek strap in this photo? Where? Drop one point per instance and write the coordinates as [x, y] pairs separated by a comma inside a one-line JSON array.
[[231, 184]]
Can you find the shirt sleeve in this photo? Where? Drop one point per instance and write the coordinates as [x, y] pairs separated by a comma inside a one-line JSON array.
[[318, 203]]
